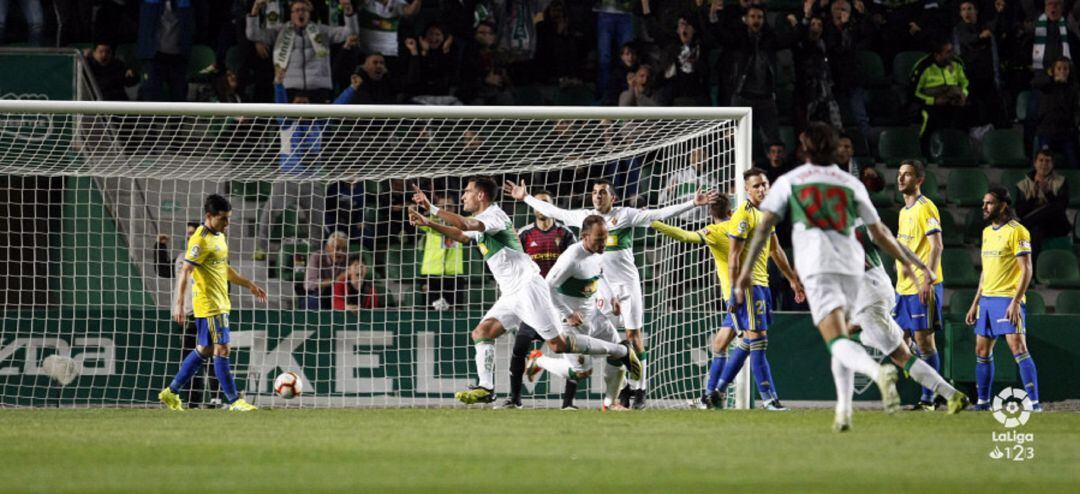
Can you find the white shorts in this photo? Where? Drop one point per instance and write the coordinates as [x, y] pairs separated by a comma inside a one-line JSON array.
[[631, 304], [827, 292], [531, 304], [873, 312]]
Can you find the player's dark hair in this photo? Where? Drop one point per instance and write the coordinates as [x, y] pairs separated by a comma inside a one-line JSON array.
[[753, 172], [610, 186], [721, 208], [485, 185], [920, 168], [819, 141], [216, 204], [1002, 195], [194, 224], [1045, 152], [590, 221]]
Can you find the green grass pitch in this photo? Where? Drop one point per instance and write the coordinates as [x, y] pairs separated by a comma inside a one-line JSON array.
[[524, 451]]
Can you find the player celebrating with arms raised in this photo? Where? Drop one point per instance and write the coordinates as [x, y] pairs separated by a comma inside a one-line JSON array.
[[207, 261], [824, 202], [618, 258], [525, 297], [998, 308]]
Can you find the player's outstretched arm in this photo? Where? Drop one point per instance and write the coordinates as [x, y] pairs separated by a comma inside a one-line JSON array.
[[255, 289], [762, 234], [520, 192], [676, 233], [701, 198], [455, 220], [421, 221]]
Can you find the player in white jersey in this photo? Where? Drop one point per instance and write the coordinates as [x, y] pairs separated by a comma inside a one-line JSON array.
[[576, 281], [524, 296], [873, 315], [824, 202], [618, 259]]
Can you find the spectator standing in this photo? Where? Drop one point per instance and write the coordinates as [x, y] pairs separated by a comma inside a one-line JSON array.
[[35, 20], [563, 46], [814, 100], [302, 48], [629, 58], [324, 269], [614, 28], [443, 263], [166, 28], [378, 26], [484, 78], [941, 87], [352, 289], [641, 89], [1059, 113], [974, 42], [1041, 204], [431, 66], [1051, 39], [373, 83], [685, 65], [846, 33], [110, 73]]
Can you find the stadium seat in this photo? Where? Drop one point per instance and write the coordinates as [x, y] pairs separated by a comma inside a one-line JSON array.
[[285, 225], [1034, 303], [1058, 269], [406, 295], [1009, 179], [1023, 104], [902, 66], [891, 217], [202, 62], [967, 187], [1072, 177], [958, 270], [869, 69], [898, 144], [292, 261], [951, 235], [885, 108], [1076, 226], [251, 191], [960, 302], [883, 199], [1004, 147], [1068, 302], [234, 60], [951, 147], [973, 226]]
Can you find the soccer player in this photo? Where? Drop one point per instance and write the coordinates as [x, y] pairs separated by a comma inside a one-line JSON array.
[[752, 319], [575, 282], [543, 240], [618, 258], [880, 331], [998, 308], [824, 202], [524, 298], [918, 311], [208, 263]]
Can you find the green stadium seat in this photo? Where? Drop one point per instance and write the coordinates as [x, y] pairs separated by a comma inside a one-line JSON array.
[[1057, 269], [1009, 179], [967, 187], [960, 302], [898, 144], [251, 191], [951, 234], [884, 106], [1063, 242], [1004, 147], [1068, 302], [234, 59], [902, 66], [202, 62], [958, 270], [950, 147], [891, 217], [973, 226], [1023, 105], [292, 261], [1072, 177], [1076, 226], [883, 199], [1034, 303], [869, 69], [285, 225]]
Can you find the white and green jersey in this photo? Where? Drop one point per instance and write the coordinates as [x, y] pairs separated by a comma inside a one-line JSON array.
[[824, 202], [502, 251], [618, 256], [574, 280]]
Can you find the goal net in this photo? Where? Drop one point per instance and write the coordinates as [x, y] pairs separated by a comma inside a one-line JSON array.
[[96, 200]]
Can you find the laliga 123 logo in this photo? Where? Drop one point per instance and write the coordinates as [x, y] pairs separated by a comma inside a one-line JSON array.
[[1012, 408]]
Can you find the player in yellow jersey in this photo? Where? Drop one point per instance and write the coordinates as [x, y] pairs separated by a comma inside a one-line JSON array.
[[998, 308], [918, 312], [207, 261]]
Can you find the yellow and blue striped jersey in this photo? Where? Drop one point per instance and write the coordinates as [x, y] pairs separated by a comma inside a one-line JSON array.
[[208, 251], [917, 222], [1001, 246], [742, 225]]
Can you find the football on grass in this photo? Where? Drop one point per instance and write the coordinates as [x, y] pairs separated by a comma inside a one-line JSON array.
[[288, 385]]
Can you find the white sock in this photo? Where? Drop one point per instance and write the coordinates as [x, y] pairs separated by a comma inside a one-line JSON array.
[[593, 346], [613, 382], [485, 364], [925, 375], [844, 378], [558, 366], [853, 356]]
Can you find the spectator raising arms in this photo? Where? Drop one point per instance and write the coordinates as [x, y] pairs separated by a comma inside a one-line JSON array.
[[352, 288]]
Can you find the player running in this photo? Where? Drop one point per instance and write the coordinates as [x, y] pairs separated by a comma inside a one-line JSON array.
[[525, 296], [618, 258], [998, 308], [824, 202], [207, 261]]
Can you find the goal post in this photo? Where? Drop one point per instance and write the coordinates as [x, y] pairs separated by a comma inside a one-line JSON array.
[[98, 196]]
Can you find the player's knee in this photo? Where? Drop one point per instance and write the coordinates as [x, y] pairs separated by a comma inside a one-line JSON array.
[[1017, 345]]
